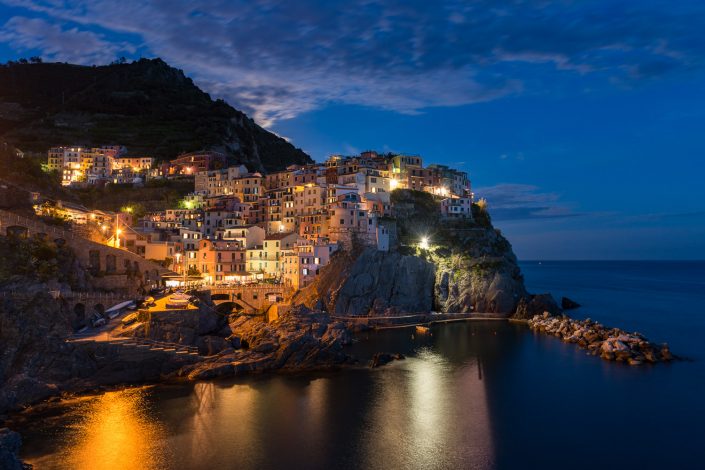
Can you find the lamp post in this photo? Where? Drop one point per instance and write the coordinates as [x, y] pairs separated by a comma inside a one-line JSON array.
[[116, 243]]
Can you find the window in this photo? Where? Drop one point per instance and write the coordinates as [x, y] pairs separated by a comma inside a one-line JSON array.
[[342, 221]]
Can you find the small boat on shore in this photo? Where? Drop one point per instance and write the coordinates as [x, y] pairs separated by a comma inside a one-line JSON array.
[[422, 329], [116, 310]]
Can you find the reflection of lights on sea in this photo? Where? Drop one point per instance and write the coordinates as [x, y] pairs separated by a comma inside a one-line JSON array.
[[116, 432]]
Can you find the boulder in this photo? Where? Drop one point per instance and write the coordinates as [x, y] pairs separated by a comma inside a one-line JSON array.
[[568, 304], [210, 345], [536, 305], [382, 358]]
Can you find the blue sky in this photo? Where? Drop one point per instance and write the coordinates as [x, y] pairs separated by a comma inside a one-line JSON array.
[[581, 122]]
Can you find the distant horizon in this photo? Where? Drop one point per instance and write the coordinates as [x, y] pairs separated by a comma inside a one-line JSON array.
[[611, 260]]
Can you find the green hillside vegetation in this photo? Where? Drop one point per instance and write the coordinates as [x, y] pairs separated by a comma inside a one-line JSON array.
[[418, 215], [155, 195]]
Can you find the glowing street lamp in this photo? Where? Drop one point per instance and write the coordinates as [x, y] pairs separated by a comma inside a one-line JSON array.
[[393, 184], [424, 243]]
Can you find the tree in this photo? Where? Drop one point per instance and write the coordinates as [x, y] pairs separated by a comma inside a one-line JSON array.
[[193, 271], [35, 60]]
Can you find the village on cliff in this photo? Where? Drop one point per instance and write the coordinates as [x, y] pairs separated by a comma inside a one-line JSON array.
[[241, 227]]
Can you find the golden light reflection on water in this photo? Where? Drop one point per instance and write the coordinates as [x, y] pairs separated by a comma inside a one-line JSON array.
[[115, 432]]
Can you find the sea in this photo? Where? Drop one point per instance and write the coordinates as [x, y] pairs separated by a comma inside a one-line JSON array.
[[469, 395]]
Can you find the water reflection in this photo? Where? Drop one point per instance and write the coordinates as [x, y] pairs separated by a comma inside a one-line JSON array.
[[115, 431], [428, 411]]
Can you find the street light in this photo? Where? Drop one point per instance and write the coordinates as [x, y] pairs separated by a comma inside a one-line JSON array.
[[424, 243]]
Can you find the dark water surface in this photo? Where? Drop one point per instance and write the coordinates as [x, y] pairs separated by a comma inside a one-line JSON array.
[[471, 395]]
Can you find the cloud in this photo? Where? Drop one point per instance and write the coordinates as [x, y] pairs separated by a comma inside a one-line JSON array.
[[522, 201], [63, 45], [277, 59]]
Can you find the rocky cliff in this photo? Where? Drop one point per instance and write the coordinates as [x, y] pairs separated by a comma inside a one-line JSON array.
[[146, 105], [479, 274], [468, 267], [372, 282]]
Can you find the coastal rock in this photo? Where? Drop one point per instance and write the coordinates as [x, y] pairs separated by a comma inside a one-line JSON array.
[[299, 340], [537, 304], [382, 358], [210, 345], [568, 304], [379, 280], [611, 344]]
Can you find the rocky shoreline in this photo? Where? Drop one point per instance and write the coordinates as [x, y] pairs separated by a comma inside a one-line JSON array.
[[300, 340], [611, 344]]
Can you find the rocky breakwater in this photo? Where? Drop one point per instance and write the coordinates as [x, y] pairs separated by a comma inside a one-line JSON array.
[[611, 344], [301, 339]]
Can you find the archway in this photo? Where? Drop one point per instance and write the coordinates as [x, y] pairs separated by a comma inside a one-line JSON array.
[[99, 309], [79, 316]]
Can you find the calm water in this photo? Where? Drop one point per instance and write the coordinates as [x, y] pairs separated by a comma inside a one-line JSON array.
[[472, 395]]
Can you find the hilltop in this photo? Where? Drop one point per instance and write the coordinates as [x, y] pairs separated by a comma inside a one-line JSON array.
[[151, 108]]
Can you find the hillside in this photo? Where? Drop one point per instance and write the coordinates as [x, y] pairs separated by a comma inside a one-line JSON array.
[[146, 105]]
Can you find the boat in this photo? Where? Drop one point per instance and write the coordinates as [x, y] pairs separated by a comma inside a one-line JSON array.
[[422, 329], [116, 310]]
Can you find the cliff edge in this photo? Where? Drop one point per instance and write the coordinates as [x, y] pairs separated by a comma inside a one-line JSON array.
[[466, 265]]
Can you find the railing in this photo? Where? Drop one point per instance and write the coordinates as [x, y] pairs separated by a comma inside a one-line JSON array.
[[69, 296]]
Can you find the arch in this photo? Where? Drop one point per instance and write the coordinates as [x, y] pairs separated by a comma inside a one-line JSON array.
[[79, 316], [16, 231], [94, 261], [79, 309], [99, 308]]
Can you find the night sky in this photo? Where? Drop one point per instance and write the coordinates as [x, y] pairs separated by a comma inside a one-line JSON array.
[[581, 122]]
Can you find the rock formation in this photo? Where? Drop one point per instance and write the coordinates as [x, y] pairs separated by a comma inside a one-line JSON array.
[[380, 283], [299, 340], [611, 344], [469, 267], [568, 304], [536, 304]]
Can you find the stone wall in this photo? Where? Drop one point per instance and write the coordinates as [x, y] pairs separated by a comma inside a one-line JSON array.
[[98, 258]]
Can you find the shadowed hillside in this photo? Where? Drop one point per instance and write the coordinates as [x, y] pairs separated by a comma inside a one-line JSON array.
[[146, 105]]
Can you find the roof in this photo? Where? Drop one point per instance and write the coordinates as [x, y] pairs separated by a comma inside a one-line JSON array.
[[279, 235]]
